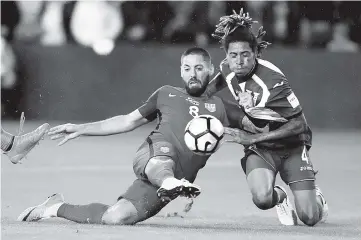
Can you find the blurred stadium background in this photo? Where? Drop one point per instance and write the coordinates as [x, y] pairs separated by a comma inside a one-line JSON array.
[[74, 61]]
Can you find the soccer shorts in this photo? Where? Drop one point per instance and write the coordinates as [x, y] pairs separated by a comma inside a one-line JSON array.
[[294, 164], [152, 147]]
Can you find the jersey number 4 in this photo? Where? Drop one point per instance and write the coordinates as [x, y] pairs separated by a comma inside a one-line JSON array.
[[193, 110], [304, 156]]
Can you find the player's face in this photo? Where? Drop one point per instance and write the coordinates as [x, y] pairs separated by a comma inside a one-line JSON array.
[[241, 58], [196, 72]]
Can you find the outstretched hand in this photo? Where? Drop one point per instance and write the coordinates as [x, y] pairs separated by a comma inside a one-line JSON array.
[[67, 131], [239, 136]]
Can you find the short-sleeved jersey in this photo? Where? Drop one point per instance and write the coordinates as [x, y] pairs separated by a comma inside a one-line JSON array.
[[269, 88], [174, 108]]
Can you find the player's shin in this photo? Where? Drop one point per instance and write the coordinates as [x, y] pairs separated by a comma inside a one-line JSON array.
[[91, 213], [159, 169], [7, 140]]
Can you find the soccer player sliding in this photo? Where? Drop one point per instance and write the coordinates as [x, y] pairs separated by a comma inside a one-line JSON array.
[[164, 166], [278, 138]]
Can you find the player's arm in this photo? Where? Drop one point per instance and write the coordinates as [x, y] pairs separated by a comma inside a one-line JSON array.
[[115, 125], [283, 101], [110, 126], [293, 127], [217, 83]]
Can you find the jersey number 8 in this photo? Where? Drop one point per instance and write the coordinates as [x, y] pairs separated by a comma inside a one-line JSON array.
[[193, 110]]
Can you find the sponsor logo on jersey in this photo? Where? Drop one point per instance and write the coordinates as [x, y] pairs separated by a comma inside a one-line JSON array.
[[292, 99], [171, 95], [278, 84], [210, 107], [306, 168], [191, 100], [164, 149]]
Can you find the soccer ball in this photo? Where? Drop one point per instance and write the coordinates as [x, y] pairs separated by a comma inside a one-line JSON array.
[[203, 134]]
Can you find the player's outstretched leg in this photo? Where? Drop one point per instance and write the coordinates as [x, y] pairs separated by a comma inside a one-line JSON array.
[[160, 172], [17, 147], [311, 205], [138, 203], [122, 213], [265, 195]]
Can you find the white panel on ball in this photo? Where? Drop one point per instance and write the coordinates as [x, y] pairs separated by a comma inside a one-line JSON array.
[[190, 141], [198, 126]]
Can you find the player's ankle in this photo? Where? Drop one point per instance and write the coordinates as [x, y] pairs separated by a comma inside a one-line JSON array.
[[168, 179], [53, 210], [281, 195]]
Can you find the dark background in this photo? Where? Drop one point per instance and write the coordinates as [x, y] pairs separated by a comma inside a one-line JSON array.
[[73, 83]]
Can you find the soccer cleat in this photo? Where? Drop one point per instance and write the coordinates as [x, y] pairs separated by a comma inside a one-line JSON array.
[[33, 214], [172, 188], [286, 214], [24, 143], [324, 204]]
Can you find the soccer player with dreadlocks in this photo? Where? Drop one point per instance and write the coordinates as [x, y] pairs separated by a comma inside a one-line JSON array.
[[266, 117]]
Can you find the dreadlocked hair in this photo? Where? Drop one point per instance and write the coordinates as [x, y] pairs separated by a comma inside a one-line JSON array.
[[238, 27]]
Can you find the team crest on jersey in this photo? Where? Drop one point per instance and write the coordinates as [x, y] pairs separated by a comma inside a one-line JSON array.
[[210, 107], [164, 149]]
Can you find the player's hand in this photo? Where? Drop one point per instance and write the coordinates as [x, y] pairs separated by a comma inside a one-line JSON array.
[[245, 100], [239, 136], [67, 131]]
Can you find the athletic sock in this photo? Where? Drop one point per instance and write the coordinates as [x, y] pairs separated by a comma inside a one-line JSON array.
[[91, 213], [278, 196]]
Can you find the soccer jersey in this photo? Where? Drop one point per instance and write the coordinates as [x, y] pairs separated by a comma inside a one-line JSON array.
[[269, 88], [174, 108]]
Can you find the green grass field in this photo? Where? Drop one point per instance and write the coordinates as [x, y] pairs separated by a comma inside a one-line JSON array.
[[100, 169]]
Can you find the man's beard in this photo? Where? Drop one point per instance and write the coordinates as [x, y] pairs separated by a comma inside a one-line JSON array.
[[197, 92]]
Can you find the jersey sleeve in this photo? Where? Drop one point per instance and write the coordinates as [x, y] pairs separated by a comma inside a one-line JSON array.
[[149, 109], [224, 118], [216, 85], [282, 99], [219, 81]]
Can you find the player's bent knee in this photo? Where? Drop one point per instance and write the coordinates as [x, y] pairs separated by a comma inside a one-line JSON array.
[[260, 181], [263, 198], [121, 213], [306, 204], [309, 218], [307, 211]]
